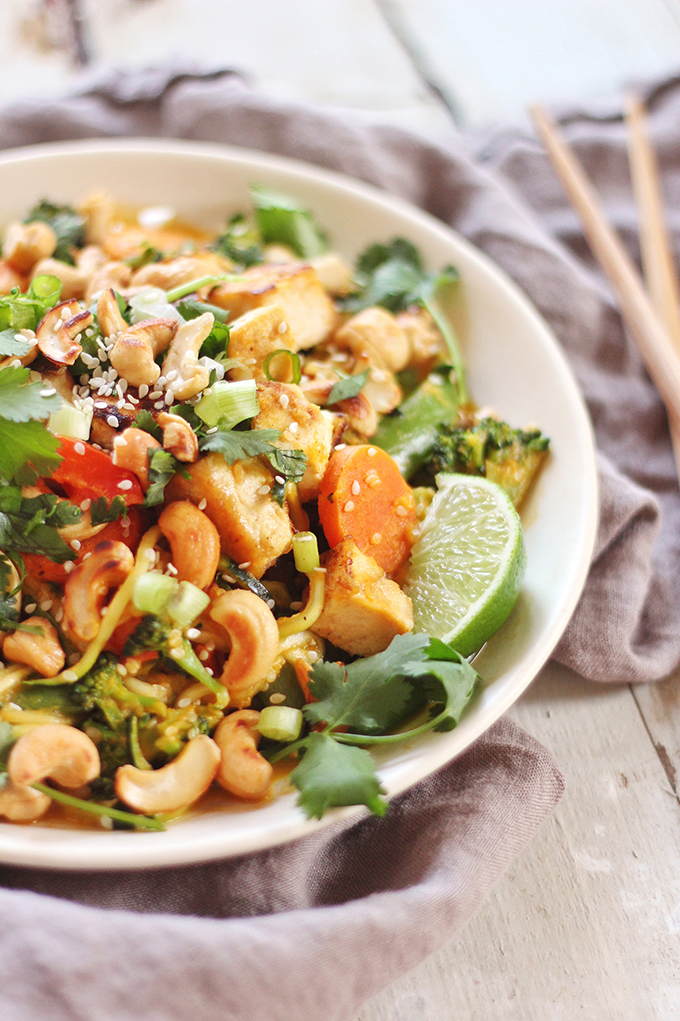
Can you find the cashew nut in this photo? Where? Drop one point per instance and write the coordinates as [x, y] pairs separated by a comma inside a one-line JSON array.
[[174, 786], [243, 771], [9, 278], [26, 243], [131, 450], [194, 542], [108, 314], [178, 437], [20, 803], [42, 651], [73, 278], [182, 358], [87, 587], [56, 752], [57, 332], [136, 348], [254, 642], [377, 334]]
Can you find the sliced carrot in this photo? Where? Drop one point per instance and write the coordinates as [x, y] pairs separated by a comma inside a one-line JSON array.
[[363, 494]]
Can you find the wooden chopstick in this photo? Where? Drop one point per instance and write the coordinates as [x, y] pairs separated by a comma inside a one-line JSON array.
[[653, 340], [661, 277]]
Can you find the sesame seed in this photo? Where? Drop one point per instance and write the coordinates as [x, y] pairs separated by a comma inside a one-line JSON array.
[[401, 512], [87, 555], [320, 570], [85, 505], [293, 427], [68, 566], [30, 607], [282, 327], [250, 361], [356, 488], [349, 506], [65, 313], [341, 446], [193, 633], [155, 395], [158, 405], [296, 605], [120, 441], [376, 538], [183, 703], [373, 481], [48, 392], [112, 421], [133, 400], [75, 544], [264, 491], [171, 375], [161, 381], [203, 504], [79, 448], [203, 655], [208, 670], [277, 698], [177, 653], [280, 479], [70, 675], [150, 555], [171, 569], [59, 612], [169, 397], [244, 566], [284, 400], [143, 391], [125, 484], [122, 669], [372, 451]]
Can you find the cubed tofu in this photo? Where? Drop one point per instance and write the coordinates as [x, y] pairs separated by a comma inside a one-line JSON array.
[[303, 425], [257, 334], [308, 310], [376, 335], [363, 610], [254, 530]]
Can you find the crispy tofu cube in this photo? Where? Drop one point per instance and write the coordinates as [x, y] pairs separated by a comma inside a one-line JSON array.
[[253, 529], [363, 610], [257, 334], [376, 335], [283, 405], [308, 310]]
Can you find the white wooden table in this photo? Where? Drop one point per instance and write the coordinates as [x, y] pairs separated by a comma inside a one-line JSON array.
[[586, 924]]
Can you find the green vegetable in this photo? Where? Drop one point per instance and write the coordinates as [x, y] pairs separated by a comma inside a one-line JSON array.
[[193, 285], [187, 603], [240, 242], [281, 220], [24, 311], [101, 511], [67, 224], [152, 633], [217, 341], [147, 256], [162, 467], [70, 421], [348, 387], [242, 579], [294, 361], [280, 723], [229, 403], [237, 445], [290, 464], [509, 457], [153, 591], [132, 819], [11, 347], [411, 432]]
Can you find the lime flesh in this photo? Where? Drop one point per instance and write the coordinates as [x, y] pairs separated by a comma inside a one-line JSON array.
[[467, 564]]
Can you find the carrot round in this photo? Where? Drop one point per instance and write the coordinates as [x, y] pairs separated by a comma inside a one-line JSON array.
[[363, 494]]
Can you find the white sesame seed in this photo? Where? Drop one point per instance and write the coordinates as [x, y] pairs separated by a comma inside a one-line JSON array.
[[150, 555], [112, 421], [250, 361], [183, 703], [30, 607], [169, 397], [356, 488], [68, 566], [125, 484], [177, 653], [87, 555], [203, 504], [48, 392], [133, 400], [65, 313], [85, 505], [282, 327], [70, 675], [244, 566], [264, 491], [171, 570], [158, 405], [320, 570], [75, 544], [401, 512], [143, 391], [171, 375], [293, 427], [280, 479], [155, 395], [208, 670], [284, 400], [376, 538], [193, 633], [120, 441], [210, 431], [122, 669], [341, 446], [161, 381], [79, 448], [59, 612], [203, 655], [277, 698], [271, 603], [349, 506], [371, 451]]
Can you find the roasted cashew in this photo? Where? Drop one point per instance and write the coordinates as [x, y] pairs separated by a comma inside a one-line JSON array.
[[361, 416], [194, 542], [174, 786], [113, 273], [98, 210], [108, 314], [182, 358], [86, 588], [73, 278], [57, 331], [254, 634], [131, 450], [9, 278], [376, 334], [20, 803], [54, 751], [26, 243], [243, 771], [178, 437], [41, 651], [136, 348]]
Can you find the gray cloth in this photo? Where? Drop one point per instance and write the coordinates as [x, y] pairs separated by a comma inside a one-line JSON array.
[[311, 929]]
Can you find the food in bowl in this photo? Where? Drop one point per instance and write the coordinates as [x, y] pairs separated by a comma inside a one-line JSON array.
[[249, 512]]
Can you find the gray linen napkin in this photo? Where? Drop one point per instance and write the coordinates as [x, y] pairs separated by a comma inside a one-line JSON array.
[[313, 928]]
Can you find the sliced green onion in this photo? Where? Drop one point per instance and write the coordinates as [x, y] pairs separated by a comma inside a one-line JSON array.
[[70, 421], [152, 303], [280, 723], [187, 604], [46, 286], [232, 401], [138, 757], [294, 361], [306, 552], [312, 611], [194, 285], [143, 822], [153, 591]]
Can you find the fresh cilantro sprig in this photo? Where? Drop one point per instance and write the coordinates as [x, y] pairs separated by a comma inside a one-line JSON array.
[[237, 444], [394, 277], [26, 447], [10, 347], [356, 705], [348, 387], [101, 511], [67, 224], [217, 341]]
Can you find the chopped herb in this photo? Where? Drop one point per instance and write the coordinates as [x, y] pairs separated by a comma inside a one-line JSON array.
[[102, 512], [162, 467], [348, 387], [11, 347], [281, 220], [240, 242], [145, 420], [67, 224], [237, 445], [148, 255]]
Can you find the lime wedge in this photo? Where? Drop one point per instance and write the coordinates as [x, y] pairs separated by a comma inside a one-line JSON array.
[[467, 564]]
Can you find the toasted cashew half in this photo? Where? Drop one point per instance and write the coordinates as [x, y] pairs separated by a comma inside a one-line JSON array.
[[131, 450], [26, 243], [108, 314], [57, 331], [182, 358], [54, 751], [254, 634], [174, 786], [243, 771], [178, 437], [42, 650], [136, 348], [20, 803], [194, 542], [87, 587]]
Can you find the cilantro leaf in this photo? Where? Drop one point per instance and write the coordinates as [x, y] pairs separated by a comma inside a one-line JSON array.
[[101, 511], [368, 695], [24, 311], [148, 255], [217, 341], [283, 221], [240, 242], [67, 224], [237, 445], [331, 775], [24, 444], [348, 387], [162, 467], [21, 400], [145, 420], [289, 462], [11, 347]]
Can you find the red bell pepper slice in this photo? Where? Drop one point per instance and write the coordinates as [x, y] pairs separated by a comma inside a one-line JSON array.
[[87, 473]]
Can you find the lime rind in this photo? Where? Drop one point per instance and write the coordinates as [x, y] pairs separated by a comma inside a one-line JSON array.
[[468, 563]]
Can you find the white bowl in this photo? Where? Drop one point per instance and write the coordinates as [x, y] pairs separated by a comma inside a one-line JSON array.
[[515, 366]]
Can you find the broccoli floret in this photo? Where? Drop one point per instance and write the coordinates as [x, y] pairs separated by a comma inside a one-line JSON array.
[[181, 725], [510, 457], [154, 634]]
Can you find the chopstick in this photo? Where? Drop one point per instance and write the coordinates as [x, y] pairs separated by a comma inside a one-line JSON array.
[[659, 354], [660, 274]]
